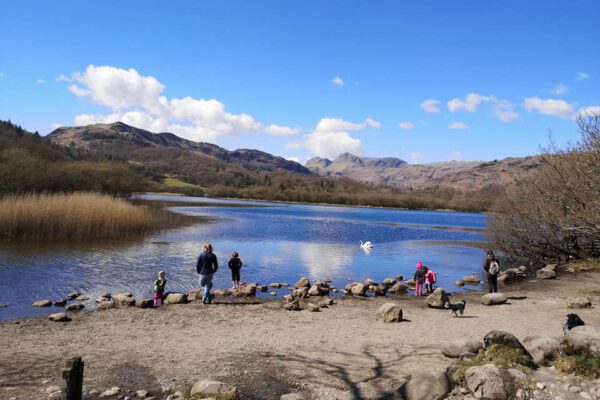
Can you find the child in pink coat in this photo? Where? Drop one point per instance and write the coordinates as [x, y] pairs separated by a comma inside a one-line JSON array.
[[430, 279], [419, 279]]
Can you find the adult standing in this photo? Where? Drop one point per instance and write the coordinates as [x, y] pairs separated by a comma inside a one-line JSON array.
[[206, 266], [491, 268]]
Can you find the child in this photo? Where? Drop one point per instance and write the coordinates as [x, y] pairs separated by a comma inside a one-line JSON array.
[[419, 279], [159, 288], [235, 264], [430, 279]]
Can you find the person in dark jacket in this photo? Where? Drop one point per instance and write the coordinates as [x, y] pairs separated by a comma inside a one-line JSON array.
[[206, 266], [490, 266], [235, 264]]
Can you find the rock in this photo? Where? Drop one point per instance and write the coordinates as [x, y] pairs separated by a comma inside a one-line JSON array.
[[438, 298], [425, 386], [194, 294], [275, 285], [288, 298], [371, 282], [263, 288], [411, 283], [546, 273], [60, 303], [540, 386], [214, 388], [318, 291], [292, 306], [456, 348], [74, 307], [390, 281], [145, 303], [42, 303], [122, 300], [326, 303], [584, 336], [303, 282], [522, 269], [273, 293], [551, 267], [491, 299], [221, 292], [142, 394], [105, 294], [59, 317], [379, 290], [283, 284], [484, 381], [471, 279], [248, 290], [293, 396], [105, 305], [2, 305], [399, 277], [511, 274], [398, 288], [313, 307], [100, 299], [502, 338], [358, 290], [82, 297], [543, 349], [459, 282], [389, 312], [579, 303], [517, 376], [176, 298], [300, 293], [73, 295], [110, 392]]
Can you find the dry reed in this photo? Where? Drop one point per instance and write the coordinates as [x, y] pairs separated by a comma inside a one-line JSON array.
[[78, 216]]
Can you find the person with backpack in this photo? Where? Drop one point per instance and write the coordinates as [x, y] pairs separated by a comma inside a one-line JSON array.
[[419, 278], [206, 266], [492, 269], [430, 279]]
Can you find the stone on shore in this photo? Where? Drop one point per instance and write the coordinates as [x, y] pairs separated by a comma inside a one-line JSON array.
[[313, 307], [176, 298], [275, 285], [579, 303], [113, 391], [263, 288], [2, 305], [145, 303], [459, 282], [491, 299], [438, 298], [548, 272], [425, 386], [221, 292], [122, 300], [60, 303], [389, 312], [371, 282], [300, 293], [358, 290], [42, 303], [584, 336], [273, 293], [326, 303], [471, 279], [74, 307], [317, 290], [398, 288], [292, 306], [506, 339], [543, 349], [456, 348], [73, 295], [511, 274], [303, 282], [82, 297], [100, 299], [411, 283], [288, 298], [59, 317], [485, 381], [194, 294], [105, 305], [217, 389]]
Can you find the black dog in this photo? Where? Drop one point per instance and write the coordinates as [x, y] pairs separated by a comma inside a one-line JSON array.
[[571, 322], [456, 307]]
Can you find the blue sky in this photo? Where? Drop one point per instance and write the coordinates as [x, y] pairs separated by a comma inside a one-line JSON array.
[[424, 81]]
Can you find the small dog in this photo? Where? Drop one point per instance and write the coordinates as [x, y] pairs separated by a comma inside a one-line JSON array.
[[456, 307], [571, 321]]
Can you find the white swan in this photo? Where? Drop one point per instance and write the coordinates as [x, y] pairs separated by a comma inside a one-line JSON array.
[[366, 245]]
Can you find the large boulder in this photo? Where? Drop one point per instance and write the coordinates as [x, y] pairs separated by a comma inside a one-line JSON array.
[[579, 303], [303, 282], [248, 290], [60, 303], [74, 307], [546, 273], [105, 305], [425, 386], [176, 298], [501, 338], [389, 282], [292, 306], [371, 282], [491, 299], [485, 381], [389, 312], [543, 349], [358, 290], [122, 300], [456, 348], [411, 283], [42, 303], [398, 288], [145, 303], [438, 298], [217, 389], [585, 336], [313, 307], [194, 294], [318, 290], [59, 317], [511, 274], [300, 293]]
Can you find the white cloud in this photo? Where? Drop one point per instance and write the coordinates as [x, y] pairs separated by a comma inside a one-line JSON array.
[[406, 125], [57, 125], [330, 137], [458, 125], [430, 105], [337, 81], [582, 76], [416, 156], [558, 108], [470, 103], [559, 90], [293, 158], [40, 81], [138, 100], [456, 155], [64, 78], [504, 111], [589, 111]]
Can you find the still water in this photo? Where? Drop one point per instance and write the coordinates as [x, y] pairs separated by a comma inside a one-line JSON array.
[[277, 243]]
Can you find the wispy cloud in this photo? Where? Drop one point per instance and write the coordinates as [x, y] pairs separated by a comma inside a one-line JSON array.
[[430, 105], [40, 81], [406, 125], [337, 81], [559, 90], [503, 110], [555, 107], [582, 76], [470, 103], [458, 125]]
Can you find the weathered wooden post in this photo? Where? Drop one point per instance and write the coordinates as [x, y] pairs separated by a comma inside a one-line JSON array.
[[72, 375]]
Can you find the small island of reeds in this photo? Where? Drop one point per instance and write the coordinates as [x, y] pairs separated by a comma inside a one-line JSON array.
[[79, 216]]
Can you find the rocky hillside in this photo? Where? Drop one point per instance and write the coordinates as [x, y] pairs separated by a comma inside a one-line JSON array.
[[459, 175]]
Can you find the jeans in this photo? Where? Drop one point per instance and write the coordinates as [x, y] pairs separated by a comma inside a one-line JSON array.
[[206, 285], [493, 283]]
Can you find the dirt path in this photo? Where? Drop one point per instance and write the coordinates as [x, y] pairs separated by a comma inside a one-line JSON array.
[[339, 353]]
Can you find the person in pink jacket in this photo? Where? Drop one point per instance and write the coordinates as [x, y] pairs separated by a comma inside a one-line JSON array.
[[419, 279], [430, 279]]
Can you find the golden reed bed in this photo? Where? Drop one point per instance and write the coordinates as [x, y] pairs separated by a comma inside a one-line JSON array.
[[78, 216]]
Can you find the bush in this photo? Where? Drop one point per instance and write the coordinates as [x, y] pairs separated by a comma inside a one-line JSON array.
[[580, 361]]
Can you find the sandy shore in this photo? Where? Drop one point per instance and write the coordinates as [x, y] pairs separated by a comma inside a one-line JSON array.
[[338, 353]]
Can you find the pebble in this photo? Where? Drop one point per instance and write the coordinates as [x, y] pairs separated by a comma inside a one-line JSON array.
[[464, 390], [540, 386], [110, 392]]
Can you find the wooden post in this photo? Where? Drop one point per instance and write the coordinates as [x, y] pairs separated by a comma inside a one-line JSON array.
[[72, 375]]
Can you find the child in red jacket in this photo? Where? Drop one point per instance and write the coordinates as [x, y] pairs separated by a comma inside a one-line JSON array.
[[430, 279]]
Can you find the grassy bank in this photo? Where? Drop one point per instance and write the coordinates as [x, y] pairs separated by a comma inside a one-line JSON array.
[[78, 216]]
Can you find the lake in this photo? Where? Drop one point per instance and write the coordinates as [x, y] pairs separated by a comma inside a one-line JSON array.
[[278, 242]]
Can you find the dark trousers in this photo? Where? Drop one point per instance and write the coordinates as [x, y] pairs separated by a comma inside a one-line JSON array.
[[493, 283], [235, 274]]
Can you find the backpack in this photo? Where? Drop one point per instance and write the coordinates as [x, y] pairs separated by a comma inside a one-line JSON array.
[[494, 268]]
